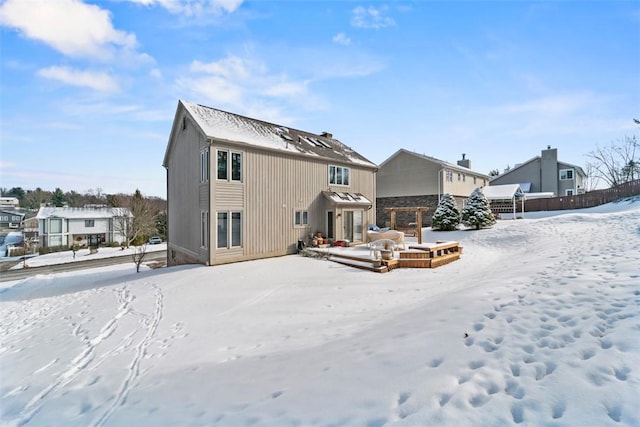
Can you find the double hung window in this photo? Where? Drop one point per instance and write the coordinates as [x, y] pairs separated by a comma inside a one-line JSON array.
[[229, 166]]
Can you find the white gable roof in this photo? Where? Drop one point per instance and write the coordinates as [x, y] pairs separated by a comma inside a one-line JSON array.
[[502, 192], [82, 213]]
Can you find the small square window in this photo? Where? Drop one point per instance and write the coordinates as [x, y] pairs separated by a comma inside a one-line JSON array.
[[301, 218], [89, 223]]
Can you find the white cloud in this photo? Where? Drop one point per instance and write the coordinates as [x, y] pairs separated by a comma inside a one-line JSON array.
[[243, 85], [72, 27], [341, 38], [95, 80], [194, 7], [371, 18]]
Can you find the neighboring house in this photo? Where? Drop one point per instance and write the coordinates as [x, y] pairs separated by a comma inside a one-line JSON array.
[[240, 188], [10, 218], [81, 226], [9, 203], [545, 174], [408, 179]]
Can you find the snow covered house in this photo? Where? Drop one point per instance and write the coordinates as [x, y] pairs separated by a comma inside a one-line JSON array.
[[545, 174], [240, 188], [81, 226], [408, 179]]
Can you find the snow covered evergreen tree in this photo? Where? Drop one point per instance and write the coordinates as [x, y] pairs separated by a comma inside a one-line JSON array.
[[447, 215], [477, 213]]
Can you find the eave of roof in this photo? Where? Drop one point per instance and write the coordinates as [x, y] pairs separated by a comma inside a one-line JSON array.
[[442, 163], [222, 126]]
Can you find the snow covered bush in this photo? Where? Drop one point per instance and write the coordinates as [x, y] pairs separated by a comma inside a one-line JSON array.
[[477, 213], [447, 214]]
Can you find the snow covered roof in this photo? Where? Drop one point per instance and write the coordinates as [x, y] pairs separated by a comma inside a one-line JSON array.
[[225, 126], [81, 213], [502, 192], [343, 198], [442, 163]]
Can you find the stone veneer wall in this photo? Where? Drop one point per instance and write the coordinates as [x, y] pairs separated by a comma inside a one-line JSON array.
[[403, 219]]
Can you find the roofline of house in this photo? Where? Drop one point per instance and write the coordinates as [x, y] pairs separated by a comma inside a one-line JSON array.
[[209, 138], [442, 163], [531, 160]]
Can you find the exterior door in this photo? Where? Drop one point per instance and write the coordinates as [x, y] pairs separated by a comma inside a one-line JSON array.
[[353, 225], [330, 225]]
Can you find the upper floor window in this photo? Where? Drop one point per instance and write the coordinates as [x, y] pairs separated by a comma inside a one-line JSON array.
[[229, 167], [89, 223], [566, 174], [204, 166], [338, 175], [474, 180], [449, 176]]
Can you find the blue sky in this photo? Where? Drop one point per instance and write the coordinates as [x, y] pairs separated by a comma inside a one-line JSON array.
[[88, 89]]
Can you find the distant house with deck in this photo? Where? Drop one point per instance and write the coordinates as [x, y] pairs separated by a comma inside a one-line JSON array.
[[408, 179], [10, 218], [63, 226], [545, 175], [240, 188]]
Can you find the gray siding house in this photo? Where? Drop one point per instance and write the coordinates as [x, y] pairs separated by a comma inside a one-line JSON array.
[[408, 179], [241, 189], [545, 174]]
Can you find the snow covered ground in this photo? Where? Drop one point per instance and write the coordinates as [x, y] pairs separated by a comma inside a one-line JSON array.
[[81, 255], [537, 324]]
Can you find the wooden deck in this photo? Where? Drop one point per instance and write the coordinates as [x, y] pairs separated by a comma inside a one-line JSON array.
[[426, 255]]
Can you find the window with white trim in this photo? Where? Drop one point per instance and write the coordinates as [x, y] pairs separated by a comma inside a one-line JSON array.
[[301, 218], [89, 223], [229, 166], [338, 175], [566, 174], [449, 176], [569, 192], [204, 229], [474, 180], [229, 230], [204, 165]]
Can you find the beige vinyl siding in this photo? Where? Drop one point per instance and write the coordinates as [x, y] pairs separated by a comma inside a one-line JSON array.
[[186, 193], [407, 175], [274, 186]]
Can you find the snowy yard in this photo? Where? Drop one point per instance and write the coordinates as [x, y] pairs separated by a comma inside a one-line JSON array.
[[537, 324]]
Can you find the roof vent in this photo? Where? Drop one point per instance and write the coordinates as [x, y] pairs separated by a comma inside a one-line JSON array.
[[327, 134]]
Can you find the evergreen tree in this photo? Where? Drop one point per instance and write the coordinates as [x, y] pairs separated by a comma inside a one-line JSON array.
[[447, 215], [477, 213], [57, 198]]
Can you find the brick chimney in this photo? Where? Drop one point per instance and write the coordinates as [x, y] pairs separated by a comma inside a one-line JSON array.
[[465, 163]]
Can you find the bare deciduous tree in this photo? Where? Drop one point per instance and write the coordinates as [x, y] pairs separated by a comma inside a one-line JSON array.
[[138, 255], [616, 163], [137, 219]]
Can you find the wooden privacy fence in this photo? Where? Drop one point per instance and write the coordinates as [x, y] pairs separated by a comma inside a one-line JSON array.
[[586, 200]]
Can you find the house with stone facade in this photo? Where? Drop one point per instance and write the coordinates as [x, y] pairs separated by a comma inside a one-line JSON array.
[[409, 179]]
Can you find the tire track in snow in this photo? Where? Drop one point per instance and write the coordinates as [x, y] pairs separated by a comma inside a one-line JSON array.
[[134, 367]]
